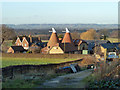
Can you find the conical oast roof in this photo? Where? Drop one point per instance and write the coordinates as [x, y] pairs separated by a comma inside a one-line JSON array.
[[67, 37], [53, 40]]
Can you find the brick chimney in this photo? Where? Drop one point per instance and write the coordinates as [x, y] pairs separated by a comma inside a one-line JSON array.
[[39, 38], [23, 37], [30, 38]]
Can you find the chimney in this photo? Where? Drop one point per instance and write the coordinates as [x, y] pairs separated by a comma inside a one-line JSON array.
[[39, 38], [23, 37], [30, 38]]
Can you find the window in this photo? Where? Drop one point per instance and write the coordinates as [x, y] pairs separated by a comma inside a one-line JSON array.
[[18, 44], [25, 44]]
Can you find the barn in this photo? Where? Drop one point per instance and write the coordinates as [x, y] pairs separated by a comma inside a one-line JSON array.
[[54, 46]]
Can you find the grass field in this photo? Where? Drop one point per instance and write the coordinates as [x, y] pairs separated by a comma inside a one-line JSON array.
[[45, 40], [8, 61], [112, 40], [36, 59]]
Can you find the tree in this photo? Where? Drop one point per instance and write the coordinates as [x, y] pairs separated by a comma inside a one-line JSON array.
[[89, 35], [7, 33], [114, 34], [60, 36], [103, 37], [104, 33], [75, 35]]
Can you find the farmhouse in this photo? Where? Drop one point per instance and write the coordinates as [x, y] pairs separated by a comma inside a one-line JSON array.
[[110, 47], [54, 46], [35, 48], [92, 43], [19, 41], [30, 43], [16, 49], [63, 45], [81, 45], [87, 46], [26, 42]]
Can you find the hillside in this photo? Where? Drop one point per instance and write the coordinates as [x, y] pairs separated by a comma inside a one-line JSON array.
[[62, 26]]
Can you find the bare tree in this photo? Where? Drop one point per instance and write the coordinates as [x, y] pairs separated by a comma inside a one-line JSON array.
[[75, 35], [7, 33]]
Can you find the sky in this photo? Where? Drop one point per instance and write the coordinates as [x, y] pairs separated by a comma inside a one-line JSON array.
[[59, 12]]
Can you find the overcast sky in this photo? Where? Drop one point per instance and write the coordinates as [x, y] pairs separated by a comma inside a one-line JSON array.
[[59, 12]]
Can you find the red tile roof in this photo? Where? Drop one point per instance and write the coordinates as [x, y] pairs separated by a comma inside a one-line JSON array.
[[67, 38], [53, 40]]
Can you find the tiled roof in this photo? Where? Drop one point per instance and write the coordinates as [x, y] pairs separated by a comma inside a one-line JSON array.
[[111, 45], [91, 43], [44, 50], [21, 39], [67, 38], [116, 43], [53, 40], [91, 46], [17, 48], [108, 45], [69, 47], [34, 39], [78, 41], [97, 41], [40, 44]]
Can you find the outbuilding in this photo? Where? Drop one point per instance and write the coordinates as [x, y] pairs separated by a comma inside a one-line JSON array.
[[16, 49]]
